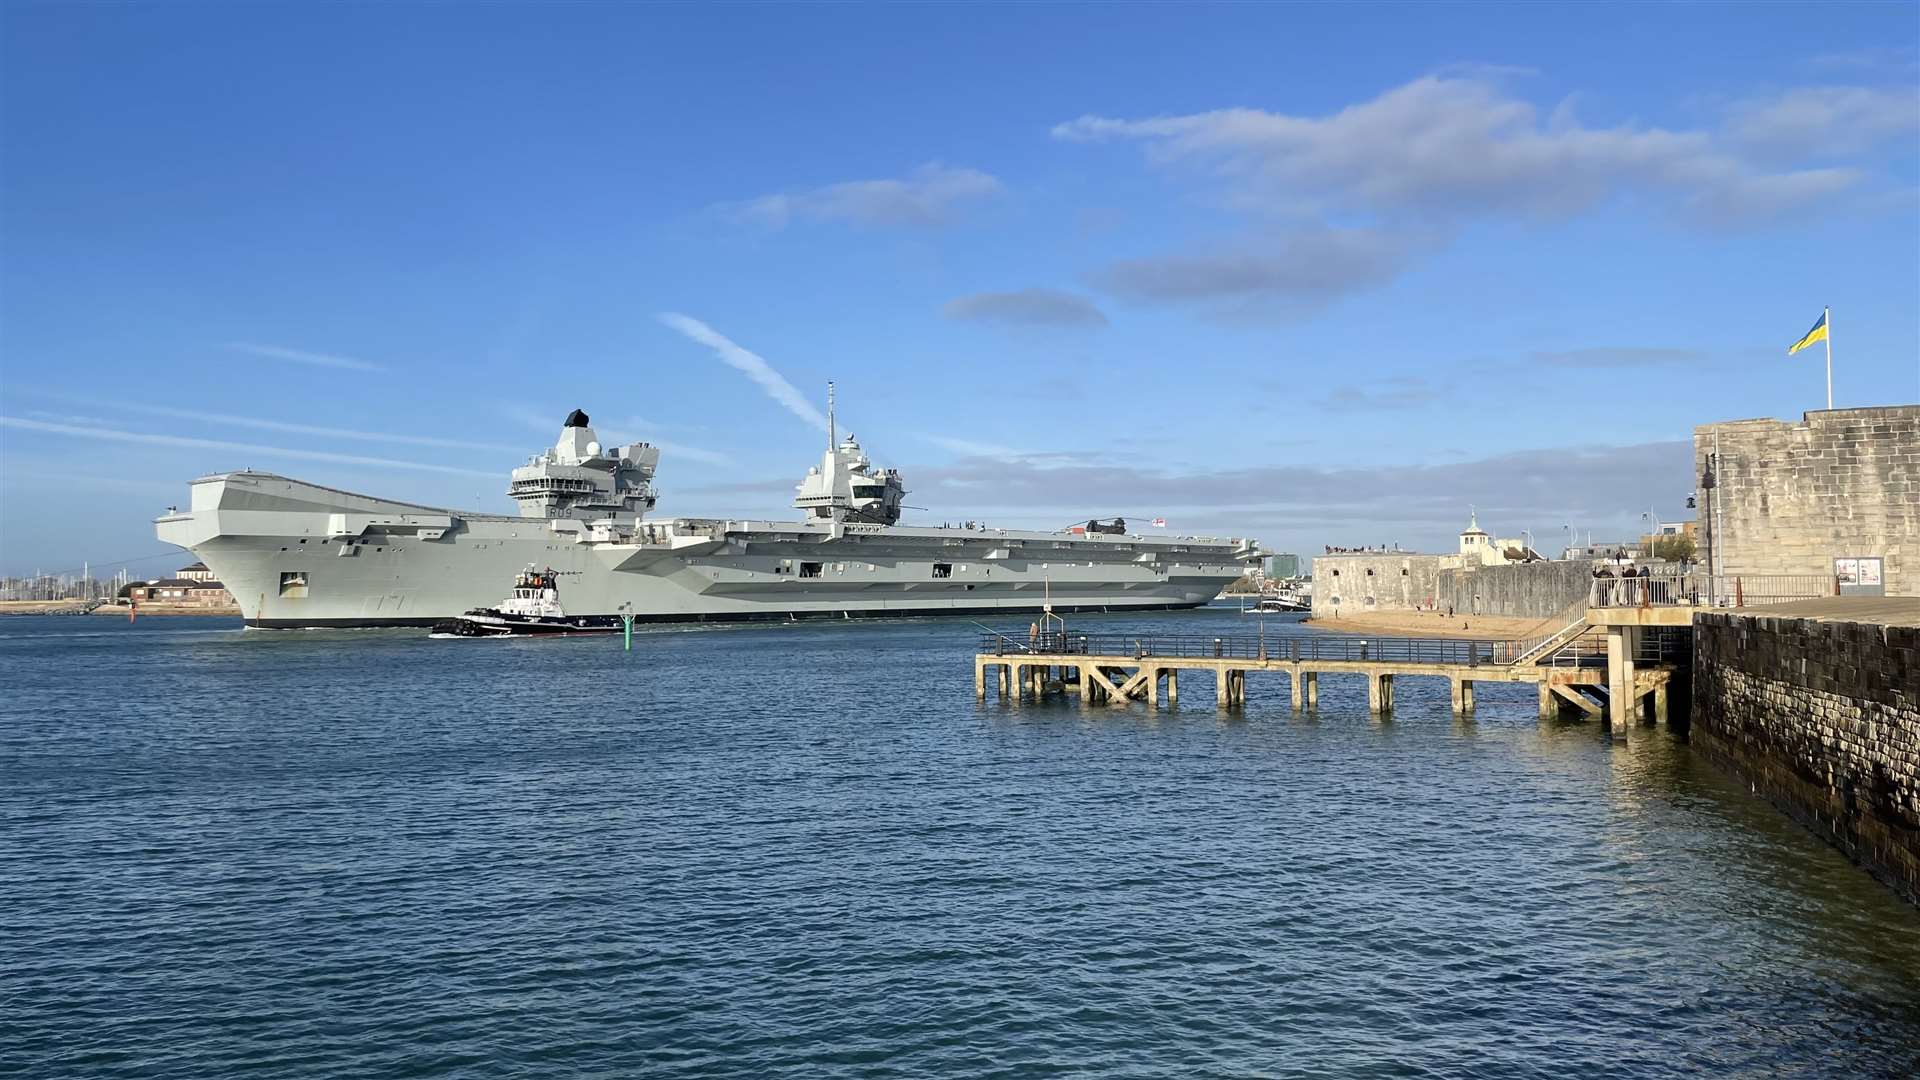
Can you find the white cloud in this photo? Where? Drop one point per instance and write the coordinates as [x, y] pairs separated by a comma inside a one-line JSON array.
[[1825, 120], [1458, 147], [299, 356], [1026, 307], [691, 453], [971, 448], [258, 423], [927, 197], [1287, 274], [754, 366], [1303, 507], [1390, 392], [976, 450], [146, 438], [667, 448]]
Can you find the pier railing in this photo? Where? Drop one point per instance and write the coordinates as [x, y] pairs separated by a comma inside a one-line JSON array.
[[1240, 647]]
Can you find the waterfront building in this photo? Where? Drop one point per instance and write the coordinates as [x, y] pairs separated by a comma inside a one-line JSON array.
[[190, 586]]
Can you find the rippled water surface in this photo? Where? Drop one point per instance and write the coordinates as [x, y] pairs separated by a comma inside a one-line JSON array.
[[805, 850]]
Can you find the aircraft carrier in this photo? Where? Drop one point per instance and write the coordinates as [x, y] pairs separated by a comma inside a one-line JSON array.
[[295, 554]]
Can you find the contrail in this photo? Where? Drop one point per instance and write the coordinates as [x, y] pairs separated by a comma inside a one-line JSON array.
[[298, 356], [756, 368], [279, 425], [231, 447]]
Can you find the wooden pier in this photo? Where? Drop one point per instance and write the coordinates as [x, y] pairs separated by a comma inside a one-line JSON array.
[[1572, 670]]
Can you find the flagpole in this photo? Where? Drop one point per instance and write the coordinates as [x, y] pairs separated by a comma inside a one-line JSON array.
[[1829, 317]]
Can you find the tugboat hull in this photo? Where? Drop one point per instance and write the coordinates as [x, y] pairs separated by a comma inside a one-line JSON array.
[[483, 624]]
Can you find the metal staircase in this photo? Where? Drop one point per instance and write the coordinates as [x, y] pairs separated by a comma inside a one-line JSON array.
[[1544, 650], [1566, 640]]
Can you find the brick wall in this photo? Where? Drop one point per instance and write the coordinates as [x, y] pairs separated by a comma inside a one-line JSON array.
[[1792, 497], [1823, 718]]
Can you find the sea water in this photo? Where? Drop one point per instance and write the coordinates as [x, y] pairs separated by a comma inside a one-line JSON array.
[[807, 850]]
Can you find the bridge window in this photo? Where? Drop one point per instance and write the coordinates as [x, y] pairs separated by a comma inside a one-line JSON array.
[[869, 491], [809, 569], [942, 569]]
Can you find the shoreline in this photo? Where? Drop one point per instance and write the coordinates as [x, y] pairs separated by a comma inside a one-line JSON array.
[[71, 608], [1435, 624]]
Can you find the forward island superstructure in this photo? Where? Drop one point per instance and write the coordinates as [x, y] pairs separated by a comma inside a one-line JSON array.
[[295, 554]]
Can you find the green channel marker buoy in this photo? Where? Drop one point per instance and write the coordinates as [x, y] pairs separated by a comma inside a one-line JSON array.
[[626, 623]]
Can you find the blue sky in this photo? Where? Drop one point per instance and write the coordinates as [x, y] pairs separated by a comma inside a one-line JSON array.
[[1323, 275]]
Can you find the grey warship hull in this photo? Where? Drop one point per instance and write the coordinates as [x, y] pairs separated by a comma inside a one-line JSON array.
[[295, 554]]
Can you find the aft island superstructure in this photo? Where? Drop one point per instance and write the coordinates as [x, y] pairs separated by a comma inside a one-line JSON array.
[[296, 554]]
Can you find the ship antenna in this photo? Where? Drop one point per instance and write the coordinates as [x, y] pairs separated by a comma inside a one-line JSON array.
[[831, 441]]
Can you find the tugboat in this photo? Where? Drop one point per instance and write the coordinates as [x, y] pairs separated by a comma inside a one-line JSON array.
[[532, 610]]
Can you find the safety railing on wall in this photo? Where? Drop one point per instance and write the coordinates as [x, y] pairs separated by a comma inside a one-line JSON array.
[[1753, 590], [1662, 590]]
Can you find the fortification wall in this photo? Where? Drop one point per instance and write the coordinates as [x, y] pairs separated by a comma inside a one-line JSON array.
[[1790, 498], [1536, 590], [1374, 581], [1823, 719]]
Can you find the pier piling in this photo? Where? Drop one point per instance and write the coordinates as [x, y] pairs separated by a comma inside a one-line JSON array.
[[1118, 670]]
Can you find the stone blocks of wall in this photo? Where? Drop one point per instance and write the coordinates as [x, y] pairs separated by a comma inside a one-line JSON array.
[[1789, 498], [1358, 582], [1823, 718], [1537, 590]]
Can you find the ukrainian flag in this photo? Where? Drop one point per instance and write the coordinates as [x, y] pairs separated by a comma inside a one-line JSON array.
[[1818, 333]]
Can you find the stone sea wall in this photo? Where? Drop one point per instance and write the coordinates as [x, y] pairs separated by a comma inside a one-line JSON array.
[[1823, 718], [1522, 590], [1356, 582], [1359, 582]]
